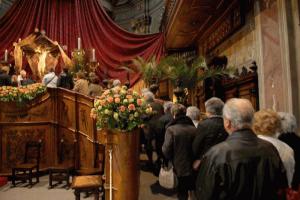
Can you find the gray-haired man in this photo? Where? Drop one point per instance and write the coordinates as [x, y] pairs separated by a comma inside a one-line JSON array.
[[210, 131]]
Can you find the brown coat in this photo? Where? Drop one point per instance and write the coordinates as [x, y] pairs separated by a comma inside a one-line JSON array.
[[81, 86]]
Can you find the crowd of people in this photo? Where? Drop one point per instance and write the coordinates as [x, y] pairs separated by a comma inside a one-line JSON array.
[[81, 83], [231, 153]]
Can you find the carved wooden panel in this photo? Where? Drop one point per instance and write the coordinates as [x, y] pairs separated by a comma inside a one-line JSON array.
[[66, 107], [229, 25], [244, 86], [35, 111], [85, 122], [14, 139], [68, 136], [86, 131], [59, 114]]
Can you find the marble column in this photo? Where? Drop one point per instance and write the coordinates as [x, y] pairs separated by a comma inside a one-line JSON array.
[[274, 73]]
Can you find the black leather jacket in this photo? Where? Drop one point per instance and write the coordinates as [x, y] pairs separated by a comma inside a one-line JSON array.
[[243, 167], [210, 132]]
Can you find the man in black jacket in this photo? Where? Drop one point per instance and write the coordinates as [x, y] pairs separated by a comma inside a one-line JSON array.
[[65, 80], [178, 148], [163, 122], [151, 126], [210, 131], [4, 78], [243, 167]]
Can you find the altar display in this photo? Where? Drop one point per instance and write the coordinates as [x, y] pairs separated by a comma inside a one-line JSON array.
[[66, 21]]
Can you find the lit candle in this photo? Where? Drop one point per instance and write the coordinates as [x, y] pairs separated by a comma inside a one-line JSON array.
[[93, 55], [5, 55], [79, 43]]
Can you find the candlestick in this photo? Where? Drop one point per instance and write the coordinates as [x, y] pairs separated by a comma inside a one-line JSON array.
[[93, 55], [79, 43], [5, 55]]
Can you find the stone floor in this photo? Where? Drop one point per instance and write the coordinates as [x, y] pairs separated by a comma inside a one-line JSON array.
[[149, 190]]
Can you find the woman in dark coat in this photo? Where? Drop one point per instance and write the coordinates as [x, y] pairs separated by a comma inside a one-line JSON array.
[[290, 136], [177, 147]]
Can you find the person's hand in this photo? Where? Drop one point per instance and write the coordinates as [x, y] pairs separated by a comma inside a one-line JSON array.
[[196, 164]]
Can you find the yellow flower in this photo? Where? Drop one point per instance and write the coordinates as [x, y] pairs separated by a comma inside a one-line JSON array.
[[116, 116]]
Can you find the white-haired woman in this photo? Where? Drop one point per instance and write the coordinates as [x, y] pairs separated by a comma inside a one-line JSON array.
[[290, 136]]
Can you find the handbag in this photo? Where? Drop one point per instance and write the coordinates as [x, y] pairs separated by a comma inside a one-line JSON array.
[[167, 177]]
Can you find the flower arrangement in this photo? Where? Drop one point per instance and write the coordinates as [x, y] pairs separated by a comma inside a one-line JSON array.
[[21, 94], [120, 108]]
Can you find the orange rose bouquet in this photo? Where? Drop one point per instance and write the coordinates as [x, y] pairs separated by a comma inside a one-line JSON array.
[[21, 94], [120, 108]]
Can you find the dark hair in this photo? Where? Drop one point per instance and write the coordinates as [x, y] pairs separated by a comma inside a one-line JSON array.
[[66, 70]]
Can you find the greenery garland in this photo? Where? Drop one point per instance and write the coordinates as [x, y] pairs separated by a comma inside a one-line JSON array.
[[21, 94]]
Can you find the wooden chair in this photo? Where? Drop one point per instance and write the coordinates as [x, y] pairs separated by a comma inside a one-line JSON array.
[[61, 172], [88, 184], [25, 171], [91, 180], [99, 160]]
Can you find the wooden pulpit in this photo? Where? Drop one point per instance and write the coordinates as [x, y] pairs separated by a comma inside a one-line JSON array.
[[122, 170]]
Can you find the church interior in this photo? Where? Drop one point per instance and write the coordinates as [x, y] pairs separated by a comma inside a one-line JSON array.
[[99, 99]]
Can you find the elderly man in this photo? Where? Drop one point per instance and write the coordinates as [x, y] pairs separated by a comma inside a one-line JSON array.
[[163, 122], [178, 148], [50, 79], [244, 166], [151, 126], [210, 131]]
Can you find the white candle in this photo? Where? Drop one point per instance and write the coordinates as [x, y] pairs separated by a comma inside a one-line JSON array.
[[93, 55], [5, 55], [79, 43], [19, 39]]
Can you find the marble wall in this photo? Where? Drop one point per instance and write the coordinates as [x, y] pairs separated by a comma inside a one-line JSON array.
[[265, 38], [293, 34]]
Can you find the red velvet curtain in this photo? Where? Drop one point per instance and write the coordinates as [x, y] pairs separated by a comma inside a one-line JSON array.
[[66, 20]]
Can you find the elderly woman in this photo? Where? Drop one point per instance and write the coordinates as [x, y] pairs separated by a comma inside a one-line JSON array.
[[290, 136], [194, 113], [266, 124]]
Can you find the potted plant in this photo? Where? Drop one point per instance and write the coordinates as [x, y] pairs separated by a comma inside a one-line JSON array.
[[186, 73], [150, 70]]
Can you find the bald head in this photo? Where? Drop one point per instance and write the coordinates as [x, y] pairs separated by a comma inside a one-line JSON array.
[[238, 114]]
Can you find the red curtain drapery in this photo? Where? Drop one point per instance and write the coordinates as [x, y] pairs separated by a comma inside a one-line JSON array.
[[66, 20]]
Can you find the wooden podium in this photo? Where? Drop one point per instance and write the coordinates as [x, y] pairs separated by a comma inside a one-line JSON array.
[[124, 148]]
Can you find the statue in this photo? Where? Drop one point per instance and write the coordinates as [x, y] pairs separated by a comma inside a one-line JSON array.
[[41, 52]]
